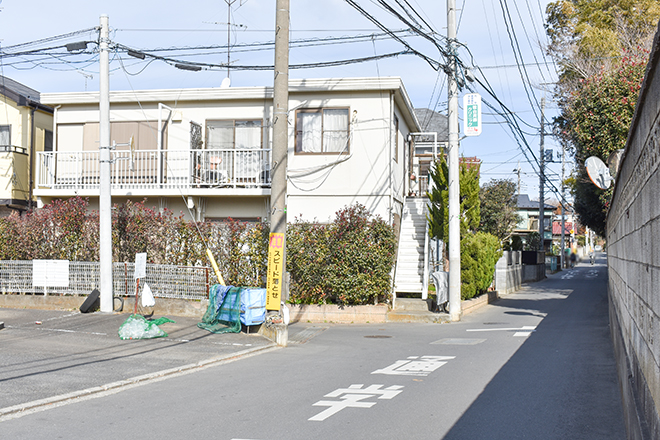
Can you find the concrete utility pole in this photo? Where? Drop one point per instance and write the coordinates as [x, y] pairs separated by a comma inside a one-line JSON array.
[[542, 179], [105, 199], [454, 190], [563, 211], [278, 192]]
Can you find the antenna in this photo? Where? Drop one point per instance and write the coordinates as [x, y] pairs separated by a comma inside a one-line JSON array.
[[229, 25], [598, 172]]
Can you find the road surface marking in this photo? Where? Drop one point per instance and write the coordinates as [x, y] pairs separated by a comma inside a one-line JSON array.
[[459, 341], [525, 328], [415, 366], [352, 397]]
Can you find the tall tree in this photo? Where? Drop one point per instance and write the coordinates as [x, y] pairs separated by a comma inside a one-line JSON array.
[[438, 216], [602, 48], [498, 208]]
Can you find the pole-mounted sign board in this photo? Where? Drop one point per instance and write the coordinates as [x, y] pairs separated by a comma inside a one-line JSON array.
[[472, 114], [275, 270]]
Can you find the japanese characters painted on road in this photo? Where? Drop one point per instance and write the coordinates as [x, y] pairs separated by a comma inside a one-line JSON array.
[[415, 366], [352, 397], [275, 271], [140, 265], [472, 114]]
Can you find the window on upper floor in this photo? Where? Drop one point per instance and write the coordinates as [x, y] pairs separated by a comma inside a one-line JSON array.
[[234, 134], [322, 131], [48, 140], [5, 135]]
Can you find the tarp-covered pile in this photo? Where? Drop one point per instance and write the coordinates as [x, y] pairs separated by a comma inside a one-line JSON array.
[[230, 306], [223, 312]]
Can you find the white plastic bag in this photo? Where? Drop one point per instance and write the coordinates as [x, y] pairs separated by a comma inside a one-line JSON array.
[[148, 299]]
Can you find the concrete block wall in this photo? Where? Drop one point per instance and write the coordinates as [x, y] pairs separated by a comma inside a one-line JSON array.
[[633, 244], [508, 272]]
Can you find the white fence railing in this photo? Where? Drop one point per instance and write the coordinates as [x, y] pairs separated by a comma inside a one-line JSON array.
[[165, 281], [153, 169]]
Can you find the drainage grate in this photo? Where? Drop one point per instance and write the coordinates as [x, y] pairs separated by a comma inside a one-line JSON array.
[[378, 336]]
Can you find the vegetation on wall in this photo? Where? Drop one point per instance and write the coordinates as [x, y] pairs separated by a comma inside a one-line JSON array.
[[601, 47]]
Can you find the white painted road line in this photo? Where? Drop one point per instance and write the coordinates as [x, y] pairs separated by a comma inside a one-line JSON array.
[[524, 328]]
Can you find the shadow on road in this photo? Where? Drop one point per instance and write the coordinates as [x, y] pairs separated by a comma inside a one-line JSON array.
[[562, 382]]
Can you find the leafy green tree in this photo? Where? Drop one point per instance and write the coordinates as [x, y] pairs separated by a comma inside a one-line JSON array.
[[585, 34], [533, 242], [602, 48], [498, 206]]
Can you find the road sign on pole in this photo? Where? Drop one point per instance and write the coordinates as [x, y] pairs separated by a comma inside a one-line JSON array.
[[472, 114]]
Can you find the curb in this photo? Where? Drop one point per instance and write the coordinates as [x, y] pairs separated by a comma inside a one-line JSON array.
[[12, 412]]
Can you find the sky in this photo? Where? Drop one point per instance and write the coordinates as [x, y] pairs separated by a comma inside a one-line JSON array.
[[486, 46]]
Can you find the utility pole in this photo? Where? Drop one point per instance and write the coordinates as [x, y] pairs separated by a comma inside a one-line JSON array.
[[105, 199], [278, 194], [517, 171], [454, 190], [229, 4], [563, 211], [542, 179]]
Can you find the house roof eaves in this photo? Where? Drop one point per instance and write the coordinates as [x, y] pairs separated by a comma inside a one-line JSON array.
[[394, 84]]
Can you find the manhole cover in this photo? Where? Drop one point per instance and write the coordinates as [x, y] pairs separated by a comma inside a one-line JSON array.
[[378, 336]]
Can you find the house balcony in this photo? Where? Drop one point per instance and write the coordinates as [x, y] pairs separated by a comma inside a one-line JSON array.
[[156, 173]]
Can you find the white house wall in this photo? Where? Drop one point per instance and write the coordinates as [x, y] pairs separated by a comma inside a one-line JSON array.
[[370, 175], [366, 177]]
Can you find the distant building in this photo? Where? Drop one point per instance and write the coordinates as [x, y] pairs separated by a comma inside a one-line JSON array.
[[528, 210], [25, 129]]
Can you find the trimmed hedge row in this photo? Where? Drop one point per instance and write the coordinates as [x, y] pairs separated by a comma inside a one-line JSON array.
[[345, 262]]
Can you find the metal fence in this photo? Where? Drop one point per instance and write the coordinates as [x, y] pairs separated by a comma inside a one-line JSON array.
[[165, 281]]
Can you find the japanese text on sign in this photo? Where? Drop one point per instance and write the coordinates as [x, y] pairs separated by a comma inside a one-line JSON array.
[[275, 271]]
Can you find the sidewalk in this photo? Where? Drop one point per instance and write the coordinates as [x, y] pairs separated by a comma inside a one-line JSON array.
[[49, 355]]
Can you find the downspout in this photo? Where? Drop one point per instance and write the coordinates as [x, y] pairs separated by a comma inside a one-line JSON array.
[[55, 127], [391, 184], [31, 159]]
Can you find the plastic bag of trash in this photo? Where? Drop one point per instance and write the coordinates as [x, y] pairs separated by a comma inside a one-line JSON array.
[[139, 327], [148, 299]]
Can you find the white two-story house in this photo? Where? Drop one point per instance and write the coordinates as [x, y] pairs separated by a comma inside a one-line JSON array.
[[206, 153]]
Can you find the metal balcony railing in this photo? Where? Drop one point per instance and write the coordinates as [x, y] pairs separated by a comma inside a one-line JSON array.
[[153, 169]]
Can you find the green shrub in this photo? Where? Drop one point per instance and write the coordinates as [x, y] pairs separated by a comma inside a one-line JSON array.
[[347, 262], [479, 254]]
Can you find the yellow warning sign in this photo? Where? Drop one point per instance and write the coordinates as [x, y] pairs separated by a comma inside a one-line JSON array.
[[275, 271]]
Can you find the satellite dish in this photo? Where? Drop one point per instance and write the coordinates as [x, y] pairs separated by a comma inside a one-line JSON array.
[[225, 83], [598, 172]]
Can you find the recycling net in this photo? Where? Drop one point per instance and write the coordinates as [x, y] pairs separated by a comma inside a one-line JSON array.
[[223, 313]]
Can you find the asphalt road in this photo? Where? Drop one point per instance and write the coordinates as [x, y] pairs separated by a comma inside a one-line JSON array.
[[537, 364]]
